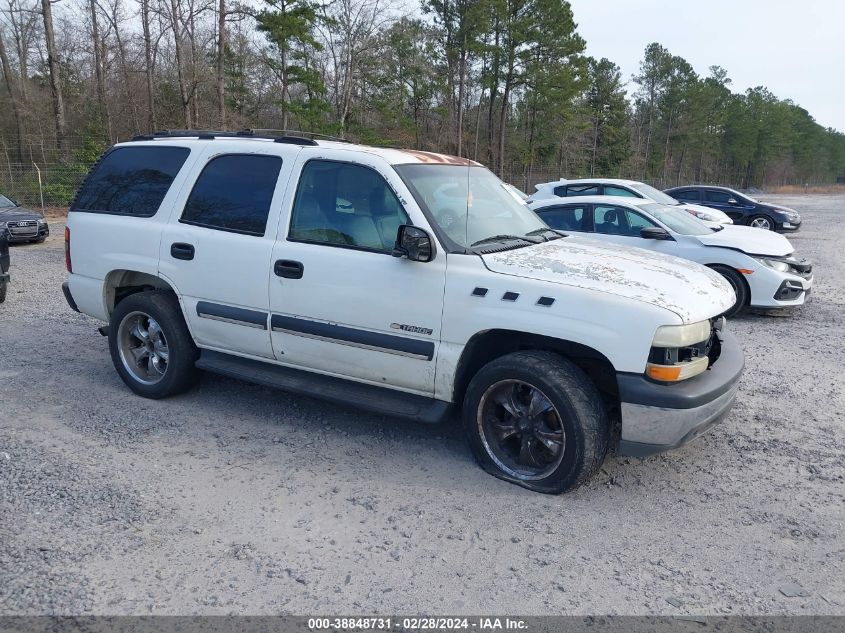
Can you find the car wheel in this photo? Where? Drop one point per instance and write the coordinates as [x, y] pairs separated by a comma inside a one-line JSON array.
[[150, 345], [534, 418], [762, 222], [739, 286]]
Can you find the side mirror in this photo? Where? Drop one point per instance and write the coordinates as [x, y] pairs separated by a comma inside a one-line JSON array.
[[655, 233], [732, 201], [414, 243]]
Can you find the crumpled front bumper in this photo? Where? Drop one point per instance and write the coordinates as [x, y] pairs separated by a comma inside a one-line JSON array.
[[658, 417]]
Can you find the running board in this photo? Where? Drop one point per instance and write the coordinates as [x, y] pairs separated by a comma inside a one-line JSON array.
[[361, 396]]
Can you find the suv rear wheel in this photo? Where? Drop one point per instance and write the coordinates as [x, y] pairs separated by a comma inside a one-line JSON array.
[[150, 345], [534, 418]]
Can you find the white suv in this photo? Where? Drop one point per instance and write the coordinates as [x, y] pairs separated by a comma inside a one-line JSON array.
[[403, 282]]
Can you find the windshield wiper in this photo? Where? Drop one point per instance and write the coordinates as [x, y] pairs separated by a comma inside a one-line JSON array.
[[501, 238], [558, 234]]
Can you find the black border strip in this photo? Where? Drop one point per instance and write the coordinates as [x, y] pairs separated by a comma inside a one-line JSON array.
[[414, 348], [230, 314]]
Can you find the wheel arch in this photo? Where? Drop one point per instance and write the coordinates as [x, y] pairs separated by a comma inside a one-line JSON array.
[[121, 283], [486, 346], [715, 267]]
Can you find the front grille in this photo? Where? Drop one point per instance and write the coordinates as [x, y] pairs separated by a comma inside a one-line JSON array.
[[23, 227]]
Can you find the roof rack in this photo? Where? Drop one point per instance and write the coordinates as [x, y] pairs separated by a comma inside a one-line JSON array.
[[294, 137]]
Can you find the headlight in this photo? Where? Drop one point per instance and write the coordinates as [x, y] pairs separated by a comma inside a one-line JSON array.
[[681, 335], [42, 221], [777, 264], [679, 352], [793, 217], [2, 225], [701, 215]]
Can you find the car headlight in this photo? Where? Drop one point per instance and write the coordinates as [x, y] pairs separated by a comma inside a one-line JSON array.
[[679, 352], [681, 335], [702, 215], [42, 221], [793, 217], [777, 264]]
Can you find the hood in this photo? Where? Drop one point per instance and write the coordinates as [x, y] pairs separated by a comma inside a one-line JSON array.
[[10, 214], [749, 240], [690, 290]]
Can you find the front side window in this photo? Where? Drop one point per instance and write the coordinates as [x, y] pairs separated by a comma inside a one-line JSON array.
[[233, 193], [610, 220], [612, 190], [131, 180], [637, 222], [343, 204], [567, 218], [718, 196], [468, 205]]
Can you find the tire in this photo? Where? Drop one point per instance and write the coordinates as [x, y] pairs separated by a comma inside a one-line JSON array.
[[3, 288], [762, 222], [577, 421], [165, 365], [740, 289]]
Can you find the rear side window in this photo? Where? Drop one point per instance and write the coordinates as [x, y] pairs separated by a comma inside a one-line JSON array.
[[582, 190], [233, 193], [131, 181], [568, 218], [686, 194]]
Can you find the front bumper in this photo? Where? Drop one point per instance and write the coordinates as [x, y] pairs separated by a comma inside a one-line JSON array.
[[42, 233], [658, 417], [789, 227]]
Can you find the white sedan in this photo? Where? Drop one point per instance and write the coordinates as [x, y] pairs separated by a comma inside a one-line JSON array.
[[759, 265], [625, 189]]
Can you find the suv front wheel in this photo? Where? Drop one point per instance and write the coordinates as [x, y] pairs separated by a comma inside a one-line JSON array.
[[534, 418], [150, 345]]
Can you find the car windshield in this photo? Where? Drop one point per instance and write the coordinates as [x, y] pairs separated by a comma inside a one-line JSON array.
[[6, 202], [655, 194], [679, 221], [470, 205]]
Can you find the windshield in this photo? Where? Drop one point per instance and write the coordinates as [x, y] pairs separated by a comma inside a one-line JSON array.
[[6, 202], [468, 204], [677, 220], [655, 194]]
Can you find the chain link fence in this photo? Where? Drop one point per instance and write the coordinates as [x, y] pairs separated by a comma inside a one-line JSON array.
[[40, 186]]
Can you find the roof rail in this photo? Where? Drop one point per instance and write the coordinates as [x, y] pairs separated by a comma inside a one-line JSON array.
[[285, 136]]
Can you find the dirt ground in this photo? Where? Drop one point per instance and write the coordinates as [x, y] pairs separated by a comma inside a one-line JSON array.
[[234, 498]]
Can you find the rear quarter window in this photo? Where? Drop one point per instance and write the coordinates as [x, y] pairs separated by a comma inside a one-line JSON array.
[[130, 181]]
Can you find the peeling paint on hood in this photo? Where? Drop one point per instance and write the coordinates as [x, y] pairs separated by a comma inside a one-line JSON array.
[[688, 289]]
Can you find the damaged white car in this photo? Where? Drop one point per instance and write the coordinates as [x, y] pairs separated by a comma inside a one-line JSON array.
[[405, 283], [759, 265]]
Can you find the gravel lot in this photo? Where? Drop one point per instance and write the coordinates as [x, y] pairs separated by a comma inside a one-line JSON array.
[[239, 499]]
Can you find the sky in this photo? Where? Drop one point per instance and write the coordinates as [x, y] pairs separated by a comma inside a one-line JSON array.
[[795, 49]]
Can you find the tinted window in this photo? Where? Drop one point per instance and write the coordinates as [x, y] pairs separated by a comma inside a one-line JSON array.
[[568, 218], [582, 190], [131, 180], [686, 194], [6, 202], [610, 220], [560, 191], [233, 193], [637, 222], [717, 196], [343, 204], [611, 190]]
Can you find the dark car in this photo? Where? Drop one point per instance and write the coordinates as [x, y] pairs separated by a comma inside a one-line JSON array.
[[22, 224], [741, 208], [4, 264]]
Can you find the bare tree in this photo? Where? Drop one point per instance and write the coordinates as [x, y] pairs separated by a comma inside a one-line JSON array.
[[55, 78]]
